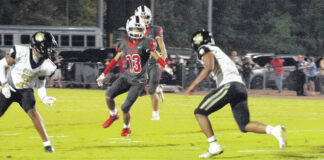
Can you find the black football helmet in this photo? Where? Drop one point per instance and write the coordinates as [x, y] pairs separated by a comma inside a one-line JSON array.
[[43, 42], [201, 37]]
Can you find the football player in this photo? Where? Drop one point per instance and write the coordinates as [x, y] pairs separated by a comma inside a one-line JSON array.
[[231, 90], [137, 50], [154, 72], [28, 68]]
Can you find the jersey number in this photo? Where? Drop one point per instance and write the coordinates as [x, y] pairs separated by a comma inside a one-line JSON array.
[[134, 63], [26, 78]]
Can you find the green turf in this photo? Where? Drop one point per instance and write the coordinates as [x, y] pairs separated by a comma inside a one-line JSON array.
[[74, 123]]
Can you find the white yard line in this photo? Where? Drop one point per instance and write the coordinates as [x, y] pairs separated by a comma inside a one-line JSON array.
[[122, 140], [251, 151], [52, 137], [9, 134]]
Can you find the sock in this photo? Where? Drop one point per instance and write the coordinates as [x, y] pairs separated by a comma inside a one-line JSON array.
[[268, 129], [211, 139], [126, 125], [47, 143], [113, 112], [155, 113]]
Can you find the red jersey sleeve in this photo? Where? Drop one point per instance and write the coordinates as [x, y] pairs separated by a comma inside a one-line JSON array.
[[153, 45], [159, 33]]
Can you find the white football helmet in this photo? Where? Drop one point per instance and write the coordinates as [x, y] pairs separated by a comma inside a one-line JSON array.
[[135, 27], [145, 13]]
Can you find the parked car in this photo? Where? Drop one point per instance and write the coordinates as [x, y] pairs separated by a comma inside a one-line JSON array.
[[263, 77]]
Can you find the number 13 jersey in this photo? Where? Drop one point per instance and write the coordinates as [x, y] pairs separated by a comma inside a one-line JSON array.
[[137, 55]]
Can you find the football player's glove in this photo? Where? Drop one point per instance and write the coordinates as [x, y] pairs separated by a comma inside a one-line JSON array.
[[49, 100], [168, 70], [100, 80], [6, 90]]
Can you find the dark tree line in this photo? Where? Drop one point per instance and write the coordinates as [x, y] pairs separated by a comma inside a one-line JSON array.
[[48, 12], [281, 26]]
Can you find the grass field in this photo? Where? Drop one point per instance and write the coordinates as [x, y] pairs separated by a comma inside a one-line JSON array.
[[74, 125]]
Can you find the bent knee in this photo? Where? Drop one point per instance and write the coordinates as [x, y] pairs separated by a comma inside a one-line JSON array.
[[125, 109], [152, 88], [109, 99], [199, 111], [32, 113], [243, 127]]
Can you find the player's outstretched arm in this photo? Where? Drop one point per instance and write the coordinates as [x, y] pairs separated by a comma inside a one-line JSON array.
[[5, 62], [161, 44], [161, 62], [41, 90], [110, 65], [208, 60]]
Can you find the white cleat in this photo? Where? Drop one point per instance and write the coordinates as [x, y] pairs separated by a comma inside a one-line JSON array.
[[155, 118], [159, 92], [219, 150], [280, 133]]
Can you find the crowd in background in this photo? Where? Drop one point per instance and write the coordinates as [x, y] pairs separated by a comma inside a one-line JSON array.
[[306, 72]]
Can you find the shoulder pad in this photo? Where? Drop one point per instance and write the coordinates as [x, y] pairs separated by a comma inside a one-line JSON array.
[[50, 67], [203, 50]]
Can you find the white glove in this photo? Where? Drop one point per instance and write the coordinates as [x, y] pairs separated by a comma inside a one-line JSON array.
[[100, 80], [49, 100], [6, 90], [168, 69]]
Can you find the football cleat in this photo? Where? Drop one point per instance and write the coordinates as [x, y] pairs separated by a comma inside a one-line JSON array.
[[126, 132], [208, 154], [155, 117], [49, 149], [279, 133], [159, 92], [110, 120]]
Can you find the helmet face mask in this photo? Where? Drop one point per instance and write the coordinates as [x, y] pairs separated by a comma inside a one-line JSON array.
[[135, 27], [145, 13], [43, 43]]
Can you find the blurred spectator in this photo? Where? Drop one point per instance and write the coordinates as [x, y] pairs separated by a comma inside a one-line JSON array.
[[311, 75], [2, 54], [248, 66], [321, 77], [58, 73], [300, 75], [276, 64], [238, 62]]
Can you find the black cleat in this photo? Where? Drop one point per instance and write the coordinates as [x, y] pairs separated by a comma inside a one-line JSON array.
[[49, 149]]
